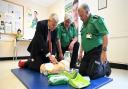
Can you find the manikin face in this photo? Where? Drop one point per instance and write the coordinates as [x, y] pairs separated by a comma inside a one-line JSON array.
[[35, 14], [18, 32], [52, 24], [75, 11], [83, 14]]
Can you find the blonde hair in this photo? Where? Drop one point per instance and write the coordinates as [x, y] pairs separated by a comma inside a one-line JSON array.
[[85, 7], [54, 17], [68, 17]]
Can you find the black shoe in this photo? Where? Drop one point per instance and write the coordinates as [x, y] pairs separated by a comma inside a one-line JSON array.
[[107, 69]]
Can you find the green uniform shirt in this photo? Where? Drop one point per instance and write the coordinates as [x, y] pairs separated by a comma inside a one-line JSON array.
[[92, 33], [64, 35]]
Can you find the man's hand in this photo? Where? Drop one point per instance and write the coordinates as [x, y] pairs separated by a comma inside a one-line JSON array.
[[74, 40], [70, 48], [53, 59], [80, 56], [104, 49], [103, 56], [61, 56]]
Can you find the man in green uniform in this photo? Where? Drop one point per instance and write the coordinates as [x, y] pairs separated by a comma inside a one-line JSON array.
[[94, 42], [67, 40]]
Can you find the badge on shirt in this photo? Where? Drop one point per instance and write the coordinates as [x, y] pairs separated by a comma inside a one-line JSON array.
[[89, 35]]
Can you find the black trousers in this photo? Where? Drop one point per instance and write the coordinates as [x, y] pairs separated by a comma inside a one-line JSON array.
[[74, 54], [35, 63], [91, 64]]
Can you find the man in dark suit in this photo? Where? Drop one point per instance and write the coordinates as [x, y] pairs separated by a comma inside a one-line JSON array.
[[43, 44]]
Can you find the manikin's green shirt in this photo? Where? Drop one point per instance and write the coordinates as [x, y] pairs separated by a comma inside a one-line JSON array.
[[66, 35], [92, 33]]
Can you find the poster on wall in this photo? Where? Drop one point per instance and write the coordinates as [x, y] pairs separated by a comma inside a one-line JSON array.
[[32, 18], [31, 21], [68, 6], [11, 16], [71, 7], [102, 4]]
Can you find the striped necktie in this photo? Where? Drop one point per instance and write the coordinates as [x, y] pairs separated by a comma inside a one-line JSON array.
[[49, 42]]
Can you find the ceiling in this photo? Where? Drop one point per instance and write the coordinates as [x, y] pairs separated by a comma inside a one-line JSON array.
[[45, 3]]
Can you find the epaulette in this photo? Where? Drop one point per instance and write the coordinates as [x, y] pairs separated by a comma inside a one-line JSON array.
[[95, 16], [72, 24]]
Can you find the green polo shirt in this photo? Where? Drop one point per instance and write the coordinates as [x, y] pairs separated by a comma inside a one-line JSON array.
[[66, 35], [95, 29]]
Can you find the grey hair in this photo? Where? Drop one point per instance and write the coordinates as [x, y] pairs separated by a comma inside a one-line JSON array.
[[54, 17], [85, 7], [68, 17]]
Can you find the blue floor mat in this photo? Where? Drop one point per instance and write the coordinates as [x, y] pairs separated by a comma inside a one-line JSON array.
[[35, 80]]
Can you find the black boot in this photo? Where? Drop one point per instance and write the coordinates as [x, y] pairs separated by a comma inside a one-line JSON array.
[[107, 68]]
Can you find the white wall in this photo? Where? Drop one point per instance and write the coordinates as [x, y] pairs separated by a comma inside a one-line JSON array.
[[7, 46], [116, 18], [44, 12], [58, 8]]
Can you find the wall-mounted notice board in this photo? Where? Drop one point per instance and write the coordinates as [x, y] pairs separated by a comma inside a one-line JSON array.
[[11, 17]]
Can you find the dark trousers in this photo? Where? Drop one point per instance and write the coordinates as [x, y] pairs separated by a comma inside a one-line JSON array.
[[74, 54], [35, 63], [91, 64]]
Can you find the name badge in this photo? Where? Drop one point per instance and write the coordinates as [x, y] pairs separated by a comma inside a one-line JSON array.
[[89, 35]]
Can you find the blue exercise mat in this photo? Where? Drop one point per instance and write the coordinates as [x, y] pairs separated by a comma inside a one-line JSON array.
[[35, 80]]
